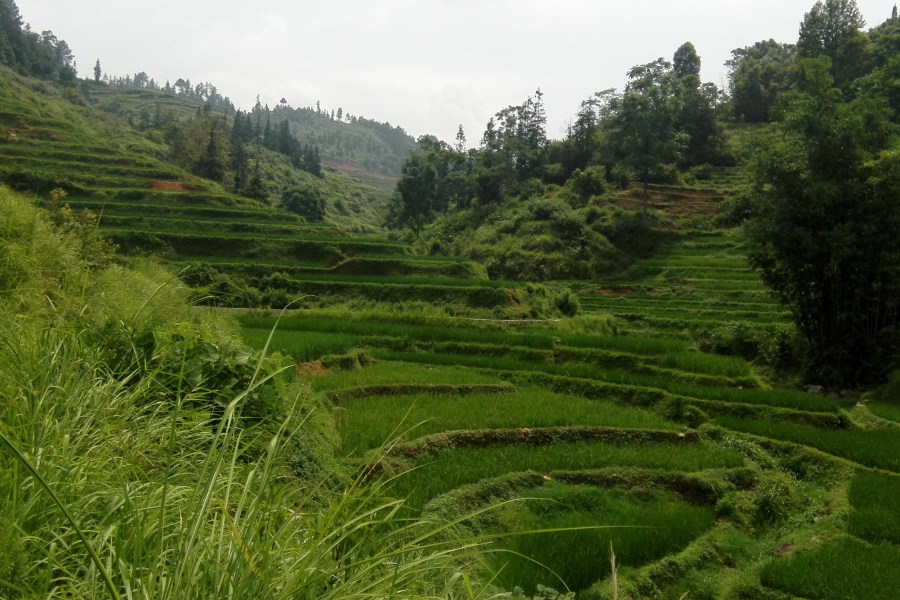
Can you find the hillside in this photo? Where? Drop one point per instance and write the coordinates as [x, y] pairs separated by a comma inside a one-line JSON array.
[[567, 369], [54, 138], [365, 149]]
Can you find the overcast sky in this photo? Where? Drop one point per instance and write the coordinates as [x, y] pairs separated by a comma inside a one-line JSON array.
[[427, 65]]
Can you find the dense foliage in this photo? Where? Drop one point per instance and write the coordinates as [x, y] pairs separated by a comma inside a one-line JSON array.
[[28, 52], [824, 227]]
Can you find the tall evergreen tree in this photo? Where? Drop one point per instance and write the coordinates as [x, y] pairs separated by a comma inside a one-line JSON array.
[[98, 72]]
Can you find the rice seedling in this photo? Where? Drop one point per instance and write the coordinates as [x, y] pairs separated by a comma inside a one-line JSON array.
[[784, 399], [873, 448], [726, 285], [710, 364], [414, 332], [435, 476], [305, 348], [369, 423], [679, 315], [848, 569], [641, 527], [397, 373], [875, 502], [891, 412], [700, 262]]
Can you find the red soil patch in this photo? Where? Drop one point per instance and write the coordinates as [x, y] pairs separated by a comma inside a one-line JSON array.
[[312, 369]]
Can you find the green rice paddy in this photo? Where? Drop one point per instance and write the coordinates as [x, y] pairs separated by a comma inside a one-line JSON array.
[[369, 423], [435, 476]]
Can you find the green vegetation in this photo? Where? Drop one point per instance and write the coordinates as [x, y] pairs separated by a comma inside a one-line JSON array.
[[368, 423], [642, 527], [845, 570], [872, 448], [875, 502], [129, 421], [435, 476], [533, 334]]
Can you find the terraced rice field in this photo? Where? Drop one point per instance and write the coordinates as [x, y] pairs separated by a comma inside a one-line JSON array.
[[721, 482], [704, 479]]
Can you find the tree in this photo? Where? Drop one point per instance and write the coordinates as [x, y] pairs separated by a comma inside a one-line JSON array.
[[461, 140], [340, 114], [833, 29], [413, 201], [306, 201], [757, 75], [98, 73], [686, 61], [642, 128], [824, 227]]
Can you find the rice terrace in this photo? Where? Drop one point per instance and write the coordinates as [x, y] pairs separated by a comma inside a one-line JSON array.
[[292, 353]]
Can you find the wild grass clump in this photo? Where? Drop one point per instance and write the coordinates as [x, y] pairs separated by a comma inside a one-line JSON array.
[[875, 508], [878, 448], [848, 569], [641, 526], [469, 465], [368, 423]]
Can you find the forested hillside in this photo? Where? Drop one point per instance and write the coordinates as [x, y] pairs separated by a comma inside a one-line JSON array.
[[364, 148], [657, 358]]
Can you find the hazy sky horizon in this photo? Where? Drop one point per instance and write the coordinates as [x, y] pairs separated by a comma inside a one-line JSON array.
[[426, 65]]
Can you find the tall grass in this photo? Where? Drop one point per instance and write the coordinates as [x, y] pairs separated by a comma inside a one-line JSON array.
[[873, 448], [369, 423], [845, 570], [176, 508], [642, 527], [469, 465]]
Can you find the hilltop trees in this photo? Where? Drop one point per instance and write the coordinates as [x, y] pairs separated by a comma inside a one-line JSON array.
[[824, 231], [833, 29]]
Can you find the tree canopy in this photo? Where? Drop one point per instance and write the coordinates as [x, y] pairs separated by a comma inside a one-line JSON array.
[[824, 230]]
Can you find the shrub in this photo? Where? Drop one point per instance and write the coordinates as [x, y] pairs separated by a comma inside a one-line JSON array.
[[306, 201], [590, 182]]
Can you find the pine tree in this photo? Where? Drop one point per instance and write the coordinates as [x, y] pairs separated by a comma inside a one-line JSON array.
[[267, 132], [98, 73], [461, 140], [894, 13]]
